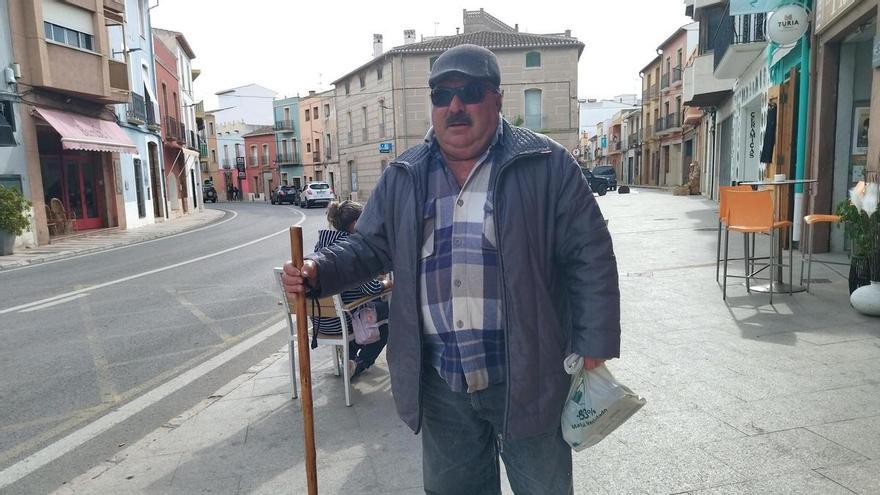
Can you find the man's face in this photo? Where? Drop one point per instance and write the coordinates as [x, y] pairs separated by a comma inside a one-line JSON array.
[[464, 130]]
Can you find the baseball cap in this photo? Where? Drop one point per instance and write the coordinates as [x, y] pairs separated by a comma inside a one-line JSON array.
[[466, 60]]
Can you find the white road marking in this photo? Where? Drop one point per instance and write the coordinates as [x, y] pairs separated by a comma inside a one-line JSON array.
[[54, 303], [78, 256], [144, 274], [67, 444]]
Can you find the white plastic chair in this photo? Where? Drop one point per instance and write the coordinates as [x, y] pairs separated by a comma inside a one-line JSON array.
[[327, 307]]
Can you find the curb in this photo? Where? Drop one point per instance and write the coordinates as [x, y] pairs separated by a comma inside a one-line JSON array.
[[147, 237]]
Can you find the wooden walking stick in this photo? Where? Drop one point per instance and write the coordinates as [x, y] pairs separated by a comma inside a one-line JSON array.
[[305, 369]]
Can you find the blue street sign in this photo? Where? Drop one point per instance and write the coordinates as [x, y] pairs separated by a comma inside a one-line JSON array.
[[385, 147]]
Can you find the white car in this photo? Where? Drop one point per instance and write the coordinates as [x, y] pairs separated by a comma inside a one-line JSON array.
[[316, 193]]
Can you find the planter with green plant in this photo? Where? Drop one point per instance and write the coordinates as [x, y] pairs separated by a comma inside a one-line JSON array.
[[13, 218], [861, 216]]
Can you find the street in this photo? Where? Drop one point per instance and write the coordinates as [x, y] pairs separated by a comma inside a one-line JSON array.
[[85, 336]]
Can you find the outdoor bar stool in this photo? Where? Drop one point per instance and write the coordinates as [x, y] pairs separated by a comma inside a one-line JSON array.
[[811, 221], [752, 212], [722, 221]]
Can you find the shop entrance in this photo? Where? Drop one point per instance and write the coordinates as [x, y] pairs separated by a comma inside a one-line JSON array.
[[77, 181]]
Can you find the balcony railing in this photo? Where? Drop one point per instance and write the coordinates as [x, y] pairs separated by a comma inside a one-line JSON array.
[[616, 145], [655, 91], [735, 30], [673, 120], [228, 163], [660, 124], [152, 114], [676, 75], [316, 156], [203, 150], [664, 81], [264, 160], [283, 125], [282, 158], [136, 110], [182, 135], [172, 128], [634, 140]]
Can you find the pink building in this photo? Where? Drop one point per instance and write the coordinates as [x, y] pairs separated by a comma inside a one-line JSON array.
[[260, 168]]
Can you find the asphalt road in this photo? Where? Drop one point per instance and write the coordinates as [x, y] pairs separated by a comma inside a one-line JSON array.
[[84, 337]]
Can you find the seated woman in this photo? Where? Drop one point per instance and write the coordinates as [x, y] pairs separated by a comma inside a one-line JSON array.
[[343, 217]]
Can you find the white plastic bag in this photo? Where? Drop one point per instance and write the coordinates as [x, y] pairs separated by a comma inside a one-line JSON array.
[[596, 405], [366, 325]]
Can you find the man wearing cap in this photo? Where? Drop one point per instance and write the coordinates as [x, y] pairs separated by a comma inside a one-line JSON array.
[[502, 266]]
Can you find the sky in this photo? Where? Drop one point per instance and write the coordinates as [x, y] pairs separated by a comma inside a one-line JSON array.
[[292, 47]]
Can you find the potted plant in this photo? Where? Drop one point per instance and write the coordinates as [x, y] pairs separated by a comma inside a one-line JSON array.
[[13, 218], [862, 219]]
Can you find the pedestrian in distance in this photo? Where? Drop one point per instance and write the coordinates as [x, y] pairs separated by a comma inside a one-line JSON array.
[[503, 265]]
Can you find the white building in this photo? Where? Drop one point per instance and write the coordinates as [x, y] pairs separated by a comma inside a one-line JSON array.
[[593, 110], [250, 103]]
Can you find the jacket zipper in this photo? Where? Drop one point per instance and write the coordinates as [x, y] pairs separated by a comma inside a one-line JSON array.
[[497, 207]]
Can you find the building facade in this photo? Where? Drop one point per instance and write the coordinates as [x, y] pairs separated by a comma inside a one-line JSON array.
[[287, 131], [262, 174], [389, 95], [73, 145], [318, 137], [650, 76]]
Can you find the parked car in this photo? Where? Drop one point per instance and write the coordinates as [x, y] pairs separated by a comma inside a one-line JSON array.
[[599, 185], [209, 194], [607, 171], [316, 193], [284, 194]]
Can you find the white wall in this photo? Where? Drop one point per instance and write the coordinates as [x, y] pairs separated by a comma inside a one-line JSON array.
[[251, 104]]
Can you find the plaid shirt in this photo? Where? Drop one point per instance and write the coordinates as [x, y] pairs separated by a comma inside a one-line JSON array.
[[458, 273]]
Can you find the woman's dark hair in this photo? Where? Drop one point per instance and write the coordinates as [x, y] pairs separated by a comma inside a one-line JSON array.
[[342, 215]]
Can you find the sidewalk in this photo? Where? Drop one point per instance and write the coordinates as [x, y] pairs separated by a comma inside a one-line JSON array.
[[743, 397], [103, 239]]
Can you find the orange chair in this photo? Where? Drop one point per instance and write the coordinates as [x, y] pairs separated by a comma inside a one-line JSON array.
[[722, 220], [752, 212], [810, 221]]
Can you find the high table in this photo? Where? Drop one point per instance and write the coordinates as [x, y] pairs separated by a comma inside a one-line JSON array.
[[778, 285]]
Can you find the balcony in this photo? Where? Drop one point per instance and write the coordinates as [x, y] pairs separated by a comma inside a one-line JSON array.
[[203, 150], [118, 77], [228, 163], [136, 109], [701, 88], [615, 146], [659, 124], [153, 115], [738, 42], [284, 125], [172, 129], [316, 156], [285, 159], [634, 140], [117, 6], [669, 124], [675, 76], [664, 81]]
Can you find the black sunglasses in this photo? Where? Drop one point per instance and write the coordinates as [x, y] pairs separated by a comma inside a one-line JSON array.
[[470, 94]]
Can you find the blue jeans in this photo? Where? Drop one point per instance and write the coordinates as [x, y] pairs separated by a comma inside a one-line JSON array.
[[462, 440]]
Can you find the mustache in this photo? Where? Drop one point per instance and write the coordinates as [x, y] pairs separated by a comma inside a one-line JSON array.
[[458, 118]]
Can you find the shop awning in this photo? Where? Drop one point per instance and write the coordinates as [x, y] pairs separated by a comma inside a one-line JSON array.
[[79, 132], [190, 153]]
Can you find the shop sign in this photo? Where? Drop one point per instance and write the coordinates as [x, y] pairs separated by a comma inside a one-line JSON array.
[[742, 7], [827, 11], [385, 147], [787, 24], [876, 58]]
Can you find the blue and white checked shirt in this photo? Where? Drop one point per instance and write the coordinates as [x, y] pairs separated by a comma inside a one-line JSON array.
[[458, 273]]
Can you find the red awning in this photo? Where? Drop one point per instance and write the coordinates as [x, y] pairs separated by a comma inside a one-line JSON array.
[[79, 132]]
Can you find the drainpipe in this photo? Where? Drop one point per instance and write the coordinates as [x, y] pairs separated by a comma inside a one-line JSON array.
[[803, 119]]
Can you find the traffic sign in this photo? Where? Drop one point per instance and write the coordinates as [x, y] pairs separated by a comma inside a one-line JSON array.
[[385, 147]]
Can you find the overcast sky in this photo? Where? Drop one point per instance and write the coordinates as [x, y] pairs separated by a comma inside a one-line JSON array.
[[294, 46]]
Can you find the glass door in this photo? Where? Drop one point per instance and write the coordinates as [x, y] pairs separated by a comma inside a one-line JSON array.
[[83, 185]]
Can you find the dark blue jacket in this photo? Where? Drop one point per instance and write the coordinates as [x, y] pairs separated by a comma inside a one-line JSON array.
[[557, 267]]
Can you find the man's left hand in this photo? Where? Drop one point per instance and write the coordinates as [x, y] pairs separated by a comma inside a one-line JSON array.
[[590, 363]]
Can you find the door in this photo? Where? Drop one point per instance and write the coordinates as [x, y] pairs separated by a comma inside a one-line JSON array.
[[82, 191], [139, 188]]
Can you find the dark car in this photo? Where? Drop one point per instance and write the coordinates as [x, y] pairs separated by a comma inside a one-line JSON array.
[[599, 185], [209, 194], [284, 194], [607, 172]]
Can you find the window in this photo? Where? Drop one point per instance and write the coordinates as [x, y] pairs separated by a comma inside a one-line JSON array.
[[287, 114], [265, 154], [327, 110], [379, 72], [317, 147], [431, 62], [253, 155], [364, 114], [354, 176], [315, 113], [308, 147], [350, 129], [67, 36], [7, 124], [381, 118], [237, 150], [283, 150], [533, 59], [362, 78], [347, 88], [533, 108], [210, 124], [307, 114], [213, 156], [327, 145]]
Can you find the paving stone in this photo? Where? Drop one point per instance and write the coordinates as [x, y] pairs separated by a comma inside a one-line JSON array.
[[780, 452], [784, 484], [862, 478], [859, 435]]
